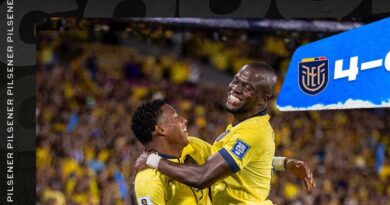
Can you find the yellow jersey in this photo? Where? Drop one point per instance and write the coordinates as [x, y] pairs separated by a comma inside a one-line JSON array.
[[248, 148], [153, 187]]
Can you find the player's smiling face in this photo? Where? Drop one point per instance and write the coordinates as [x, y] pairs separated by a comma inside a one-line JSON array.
[[243, 93], [175, 126]]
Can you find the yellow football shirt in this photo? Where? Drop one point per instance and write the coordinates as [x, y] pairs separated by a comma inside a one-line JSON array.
[[249, 149], [152, 187]]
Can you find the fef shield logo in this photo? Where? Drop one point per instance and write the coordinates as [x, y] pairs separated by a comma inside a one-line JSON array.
[[313, 75]]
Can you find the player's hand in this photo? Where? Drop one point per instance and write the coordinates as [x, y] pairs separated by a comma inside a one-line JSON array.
[[302, 171], [140, 163]]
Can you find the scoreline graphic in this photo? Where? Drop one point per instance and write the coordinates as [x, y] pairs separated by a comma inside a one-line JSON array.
[[345, 71]]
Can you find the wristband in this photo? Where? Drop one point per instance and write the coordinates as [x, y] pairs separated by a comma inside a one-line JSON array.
[[153, 160], [278, 163]]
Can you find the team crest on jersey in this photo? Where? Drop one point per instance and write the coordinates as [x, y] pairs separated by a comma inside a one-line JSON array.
[[144, 200], [240, 148], [313, 75]]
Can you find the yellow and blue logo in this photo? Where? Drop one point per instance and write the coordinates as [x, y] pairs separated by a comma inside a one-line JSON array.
[[313, 74]]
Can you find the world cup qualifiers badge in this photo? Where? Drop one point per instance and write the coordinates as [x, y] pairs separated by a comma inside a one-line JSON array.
[[313, 75]]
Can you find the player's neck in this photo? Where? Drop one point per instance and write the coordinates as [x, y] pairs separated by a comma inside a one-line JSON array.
[[239, 117], [163, 147]]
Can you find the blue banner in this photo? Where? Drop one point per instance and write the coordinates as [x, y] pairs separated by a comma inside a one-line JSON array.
[[348, 70]]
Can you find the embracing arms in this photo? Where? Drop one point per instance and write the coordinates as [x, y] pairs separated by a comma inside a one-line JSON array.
[[199, 176], [217, 168]]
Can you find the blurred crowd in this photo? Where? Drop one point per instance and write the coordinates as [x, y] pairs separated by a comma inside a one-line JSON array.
[[89, 81]]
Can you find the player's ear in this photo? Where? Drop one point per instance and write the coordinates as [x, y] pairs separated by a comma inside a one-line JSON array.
[[267, 97], [263, 100], [159, 130]]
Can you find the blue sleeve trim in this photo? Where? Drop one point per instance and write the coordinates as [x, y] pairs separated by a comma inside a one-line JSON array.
[[229, 159]]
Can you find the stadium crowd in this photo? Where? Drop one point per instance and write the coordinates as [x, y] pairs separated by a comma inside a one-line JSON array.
[[89, 84]]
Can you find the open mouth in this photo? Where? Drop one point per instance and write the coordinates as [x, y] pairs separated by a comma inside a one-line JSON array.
[[232, 99]]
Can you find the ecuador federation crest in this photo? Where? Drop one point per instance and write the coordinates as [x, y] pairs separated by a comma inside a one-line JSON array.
[[313, 75]]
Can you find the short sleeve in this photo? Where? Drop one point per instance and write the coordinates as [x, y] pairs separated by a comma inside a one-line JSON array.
[[240, 150], [150, 188]]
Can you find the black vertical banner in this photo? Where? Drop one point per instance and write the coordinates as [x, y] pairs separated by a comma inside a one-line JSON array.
[[17, 156], [17, 107]]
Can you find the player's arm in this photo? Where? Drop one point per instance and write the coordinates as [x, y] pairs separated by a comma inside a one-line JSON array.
[[201, 177], [231, 158], [298, 168]]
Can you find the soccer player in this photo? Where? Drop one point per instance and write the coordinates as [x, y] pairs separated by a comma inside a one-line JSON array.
[[240, 165], [161, 130]]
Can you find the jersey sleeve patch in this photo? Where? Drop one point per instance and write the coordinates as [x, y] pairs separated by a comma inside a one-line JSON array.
[[144, 200], [240, 148]]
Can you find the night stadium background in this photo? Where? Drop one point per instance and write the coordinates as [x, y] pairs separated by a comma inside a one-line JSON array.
[[91, 74]]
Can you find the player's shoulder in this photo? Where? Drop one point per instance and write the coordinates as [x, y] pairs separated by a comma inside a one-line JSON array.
[[195, 141], [256, 132], [149, 175], [150, 180], [255, 126]]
